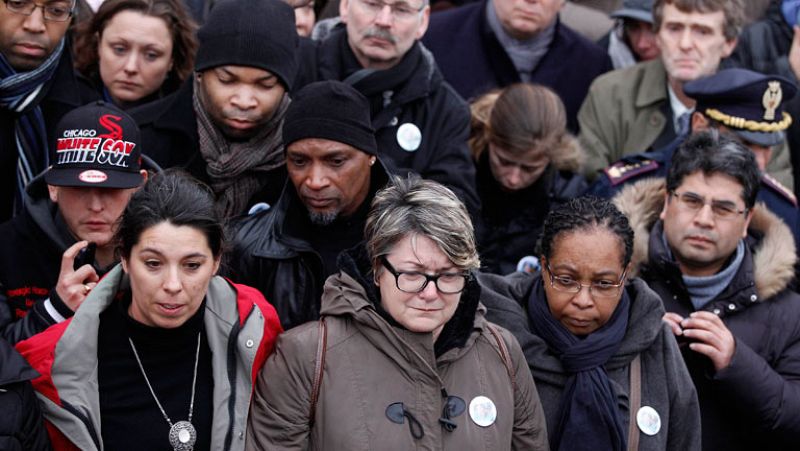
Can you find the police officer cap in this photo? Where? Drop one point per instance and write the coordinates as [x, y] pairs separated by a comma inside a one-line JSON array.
[[749, 103]]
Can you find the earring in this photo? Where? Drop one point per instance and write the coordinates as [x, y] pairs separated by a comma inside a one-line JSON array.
[[372, 161]]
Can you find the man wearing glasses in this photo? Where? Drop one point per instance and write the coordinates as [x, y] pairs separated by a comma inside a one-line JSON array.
[[37, 87], [723, 266], [421, 124]]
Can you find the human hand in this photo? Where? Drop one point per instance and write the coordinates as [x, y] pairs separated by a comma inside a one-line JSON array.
[[794, 53], [74, 285], [711, 338], [674, 322]]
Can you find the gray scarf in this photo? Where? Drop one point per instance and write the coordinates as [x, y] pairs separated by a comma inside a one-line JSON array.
[[237, 169]]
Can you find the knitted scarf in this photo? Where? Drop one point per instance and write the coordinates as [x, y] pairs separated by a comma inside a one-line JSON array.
[[589, 418], [21, 93], [237, 169]]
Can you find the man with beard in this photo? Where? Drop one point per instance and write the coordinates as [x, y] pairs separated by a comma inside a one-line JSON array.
[[723, 265], [287, 252], [421, 124], [74, 203], [224, 124], [37, 87]]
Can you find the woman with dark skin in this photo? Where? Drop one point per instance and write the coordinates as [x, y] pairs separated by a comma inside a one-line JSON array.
[[589, 332]]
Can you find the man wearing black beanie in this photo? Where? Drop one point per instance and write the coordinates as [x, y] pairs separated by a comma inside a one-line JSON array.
[[287, 252], [421, 124], [224, 124]]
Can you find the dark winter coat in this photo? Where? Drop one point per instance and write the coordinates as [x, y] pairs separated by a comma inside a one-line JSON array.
[[754, 402], [424, 100], [21, 423], [169, 137], [64, 94], [474, 62], [666, 385], [272, 252], [510, 223], [32, 244], [371, 364]]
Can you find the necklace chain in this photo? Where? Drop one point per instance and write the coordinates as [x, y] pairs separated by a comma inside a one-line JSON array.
[[194, 380]]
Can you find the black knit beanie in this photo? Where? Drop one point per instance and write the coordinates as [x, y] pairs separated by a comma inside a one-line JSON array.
[[330, 110], [253, 33]]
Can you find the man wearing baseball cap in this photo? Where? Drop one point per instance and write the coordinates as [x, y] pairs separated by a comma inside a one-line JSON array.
[[287, 252], [224, 124], [74, 203], [632, 40]]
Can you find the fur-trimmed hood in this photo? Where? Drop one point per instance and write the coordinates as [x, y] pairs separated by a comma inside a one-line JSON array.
[[774, 253]]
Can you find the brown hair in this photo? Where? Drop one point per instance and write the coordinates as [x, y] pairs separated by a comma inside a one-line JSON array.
[[732, 9], [524, 118], [181, 25]]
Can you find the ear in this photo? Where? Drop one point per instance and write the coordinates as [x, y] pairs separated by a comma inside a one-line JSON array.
[[423, 24], [53, 192], [699, 122], [124, 263], [663, 214], [344, 5], [729, 46], [216, 265], [747, 222]]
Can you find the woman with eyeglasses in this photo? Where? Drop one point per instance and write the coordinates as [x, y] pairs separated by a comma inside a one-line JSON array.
[[608, 370], [402, 357]]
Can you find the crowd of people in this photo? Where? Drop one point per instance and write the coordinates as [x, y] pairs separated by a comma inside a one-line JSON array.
[[403, 224]]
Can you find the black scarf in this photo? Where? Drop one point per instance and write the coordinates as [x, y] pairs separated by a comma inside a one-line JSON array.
[[589, 417], [379, 86]]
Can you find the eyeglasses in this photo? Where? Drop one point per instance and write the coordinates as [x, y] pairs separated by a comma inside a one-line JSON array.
[[598, 288], [415, 282], [720, 208], [400, 10], [53, 12]]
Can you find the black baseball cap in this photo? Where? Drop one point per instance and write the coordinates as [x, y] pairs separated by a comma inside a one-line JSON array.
[[97, 145]]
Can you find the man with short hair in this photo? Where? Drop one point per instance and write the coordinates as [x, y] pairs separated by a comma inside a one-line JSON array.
[[76, 202], [722, 265], [287, 252], [494, 43], [421, 124], [224, 124], [747, 104], [644, 107], [37, 87]]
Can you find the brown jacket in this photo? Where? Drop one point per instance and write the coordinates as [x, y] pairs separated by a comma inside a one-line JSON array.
[[370, 365]]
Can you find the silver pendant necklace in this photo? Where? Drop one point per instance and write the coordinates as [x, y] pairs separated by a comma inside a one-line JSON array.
[[182, 434]]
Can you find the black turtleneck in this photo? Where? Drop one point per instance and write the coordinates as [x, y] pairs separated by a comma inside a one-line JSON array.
[[130, 418], [342, 234]]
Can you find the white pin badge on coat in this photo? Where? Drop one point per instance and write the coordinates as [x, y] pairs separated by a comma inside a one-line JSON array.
[[482, 411], [648, 420], [409, 137]]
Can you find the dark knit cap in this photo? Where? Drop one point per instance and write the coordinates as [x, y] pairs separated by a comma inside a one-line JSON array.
[[330, 110], [253, 33]]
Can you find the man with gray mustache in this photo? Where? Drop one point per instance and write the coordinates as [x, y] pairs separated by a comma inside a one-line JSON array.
[[723, 266], [224, 124], [421, 123]]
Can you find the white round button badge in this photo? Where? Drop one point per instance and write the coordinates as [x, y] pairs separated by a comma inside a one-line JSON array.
[[409, 137], [482, 411], [648, 420]]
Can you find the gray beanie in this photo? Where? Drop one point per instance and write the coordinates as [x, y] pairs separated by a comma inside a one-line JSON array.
[[252, 33]]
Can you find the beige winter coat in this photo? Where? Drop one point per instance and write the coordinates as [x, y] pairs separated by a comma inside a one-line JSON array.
[[369, 365]]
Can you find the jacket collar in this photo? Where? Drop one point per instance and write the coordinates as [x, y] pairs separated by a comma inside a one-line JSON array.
[[653, 84], [173, 112], [64, 87], [771, 242]]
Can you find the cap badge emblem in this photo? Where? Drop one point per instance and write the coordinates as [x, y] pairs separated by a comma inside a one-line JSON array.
[[772, 98]]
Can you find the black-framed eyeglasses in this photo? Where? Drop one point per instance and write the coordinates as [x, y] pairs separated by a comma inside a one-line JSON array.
[[58, 11], [415, 281], [598, 288], [721, 209]]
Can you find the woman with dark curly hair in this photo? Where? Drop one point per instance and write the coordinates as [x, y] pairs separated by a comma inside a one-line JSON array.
[[135, 51], [526, 162], [608, 370]]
